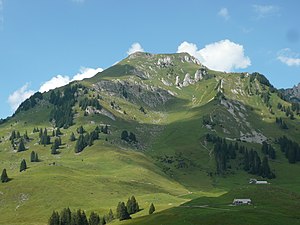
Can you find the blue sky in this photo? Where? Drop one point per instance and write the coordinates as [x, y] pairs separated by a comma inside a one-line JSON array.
[[48, 43]]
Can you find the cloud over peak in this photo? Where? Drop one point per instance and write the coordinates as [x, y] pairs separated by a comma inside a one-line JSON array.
[[60, 80], [135, 47], [18, 96], [223, 55]]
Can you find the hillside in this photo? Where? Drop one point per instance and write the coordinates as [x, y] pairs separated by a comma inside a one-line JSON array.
[[170, 131]]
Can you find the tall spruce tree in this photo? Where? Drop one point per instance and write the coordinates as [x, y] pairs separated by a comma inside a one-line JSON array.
[[4, 177], [54, 219], [65, 216], [94, 219], [21, 146], [110, 216], [151, 209], [23, 165], [122, 213], [72, 137]]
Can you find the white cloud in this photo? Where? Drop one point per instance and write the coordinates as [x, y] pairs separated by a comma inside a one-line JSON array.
[[288, 57], [59, 80], [135, 47], [16, 98], [54, 82], [265, 10], [86, 73], [222, 56], [224, 13]]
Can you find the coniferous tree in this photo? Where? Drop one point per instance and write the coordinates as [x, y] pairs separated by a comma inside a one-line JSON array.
[[132, 205], [110, 216], [103, 221], [94, 219], [21, 146], [80, 130], [13, 135], [72, 137], [53, 149], [65, 217], [151, 209], [32, 157], [23, 165], [36, 157], [122, 213], [54, 219], [4, 177], [124, 135], [26, 136]]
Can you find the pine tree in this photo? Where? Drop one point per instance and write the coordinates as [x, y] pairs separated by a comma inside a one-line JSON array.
[[53, 149], [122, 213], [54, 219], [13, 135], [4, 177], [132, 205], [23, 165], [65, 216], [103, 221], [110, 216], [21, 146], [72, 137], [26, 136], [94, 219], [36, 157], [32, 157], [151, 209], [124, 135]]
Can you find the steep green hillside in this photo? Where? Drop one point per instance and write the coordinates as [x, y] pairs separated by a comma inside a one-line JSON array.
[[168, 103]]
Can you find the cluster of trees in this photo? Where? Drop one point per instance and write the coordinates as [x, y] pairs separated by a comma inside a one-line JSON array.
[[267, 149], [84, 103], [129, 137], [288, 110], [123, 212], [30, 102], [44, 137], [261, 79], [34, 157], [266, 98], [67, 217], [17, 140], [223, 152], [86, 139], [290, 148], [279, 121], [62, 113], [254, 165], [55, 145], [251, 160], [296, 107]]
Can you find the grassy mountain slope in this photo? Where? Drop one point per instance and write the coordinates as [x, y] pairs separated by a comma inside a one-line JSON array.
[[170, 113]]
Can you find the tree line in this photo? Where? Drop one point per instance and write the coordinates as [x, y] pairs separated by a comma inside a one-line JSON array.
[[251, 161], [290, 148], [79, 217]]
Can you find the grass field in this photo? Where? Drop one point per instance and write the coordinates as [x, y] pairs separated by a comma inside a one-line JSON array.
[[112, 170]]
